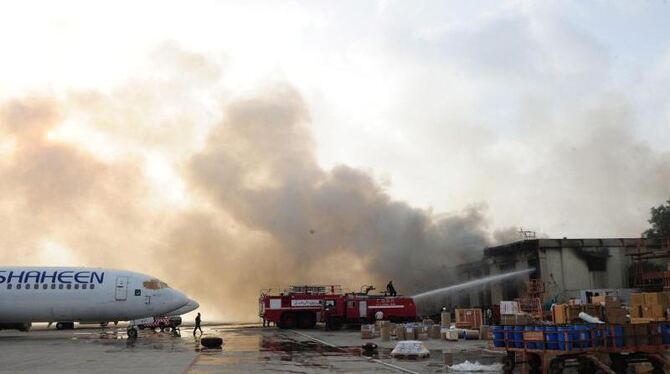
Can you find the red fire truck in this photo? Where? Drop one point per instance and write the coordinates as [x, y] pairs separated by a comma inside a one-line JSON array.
[[304, 306]]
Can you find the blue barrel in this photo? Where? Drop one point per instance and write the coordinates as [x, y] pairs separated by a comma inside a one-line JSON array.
[[551, 332], [614, 336], [565, 338], [540, 345], [582, 336], [518, 336], [529, 344], [596, 335], [509, 336], [665, 333], [498, 336]]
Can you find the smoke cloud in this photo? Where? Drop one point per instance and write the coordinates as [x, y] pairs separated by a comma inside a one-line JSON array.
[[221, 193], [261, 211]]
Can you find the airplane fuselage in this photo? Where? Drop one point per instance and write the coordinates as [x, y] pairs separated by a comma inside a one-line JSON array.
[[49, 294]]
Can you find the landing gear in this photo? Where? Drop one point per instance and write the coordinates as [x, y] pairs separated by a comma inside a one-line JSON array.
[[64, 325], [132, 332]]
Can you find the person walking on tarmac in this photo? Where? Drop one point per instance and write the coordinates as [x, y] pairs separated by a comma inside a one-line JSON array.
[[390, 289], [197, 324]]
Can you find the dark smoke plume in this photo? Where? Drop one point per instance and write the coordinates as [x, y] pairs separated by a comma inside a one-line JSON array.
[[254, 209], [259, 166], [266, 214]]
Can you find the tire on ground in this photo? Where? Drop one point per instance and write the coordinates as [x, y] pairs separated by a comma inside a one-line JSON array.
[[211, 342]]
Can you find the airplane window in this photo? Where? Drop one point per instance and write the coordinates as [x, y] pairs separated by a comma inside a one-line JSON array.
[[36, 286], [27, 286], [9, 286], [164, 285], [60, 286], [45, 286], [83, 286], [76, 286], [53, 286], [18, 286], [69, 286], [152, 284], [92, 286]]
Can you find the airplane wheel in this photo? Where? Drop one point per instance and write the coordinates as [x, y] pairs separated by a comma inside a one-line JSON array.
[[59, 326], [132, 333]]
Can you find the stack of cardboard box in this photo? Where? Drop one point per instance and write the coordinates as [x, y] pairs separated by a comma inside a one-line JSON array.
[[567, 313], [611, 309], [511, 314], [650, 306], [606, 308], [516, 319]]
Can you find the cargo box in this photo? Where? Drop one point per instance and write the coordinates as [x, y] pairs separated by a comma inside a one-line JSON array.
[[653, 311], [606, 300], [655, 298], [469, 318], [445, 319], [616, 315], [637, 299], [509, 307], [636, 311], [559, 314]]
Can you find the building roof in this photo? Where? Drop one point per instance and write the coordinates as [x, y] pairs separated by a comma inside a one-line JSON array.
[[585, 243]]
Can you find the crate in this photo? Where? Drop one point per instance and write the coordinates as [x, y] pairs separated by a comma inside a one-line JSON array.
[[469, 318]]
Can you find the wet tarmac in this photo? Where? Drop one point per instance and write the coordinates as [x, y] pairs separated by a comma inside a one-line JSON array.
[[246, 349]]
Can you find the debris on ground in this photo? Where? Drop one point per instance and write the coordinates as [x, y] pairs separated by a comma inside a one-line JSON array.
[[475, 367]]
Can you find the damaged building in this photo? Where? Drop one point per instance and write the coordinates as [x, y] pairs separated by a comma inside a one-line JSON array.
[[567, 267]]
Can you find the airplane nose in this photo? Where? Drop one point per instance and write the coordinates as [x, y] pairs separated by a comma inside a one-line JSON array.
[[193, 304], [180, 299]]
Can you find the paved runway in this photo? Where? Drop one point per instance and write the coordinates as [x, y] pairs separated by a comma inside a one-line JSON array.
[[246, 350]]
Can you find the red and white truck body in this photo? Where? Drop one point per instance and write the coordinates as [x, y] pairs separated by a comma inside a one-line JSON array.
[[304, 306]]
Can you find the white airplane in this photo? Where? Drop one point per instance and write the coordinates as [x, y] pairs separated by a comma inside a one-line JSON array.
[[54, 294]]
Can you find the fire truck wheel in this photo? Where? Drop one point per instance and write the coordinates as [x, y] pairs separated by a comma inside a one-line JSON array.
[[288, 321], [334, 323], [306, 320]]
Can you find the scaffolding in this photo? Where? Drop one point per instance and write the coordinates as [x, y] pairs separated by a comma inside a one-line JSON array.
[[531, 300], [642, 256]]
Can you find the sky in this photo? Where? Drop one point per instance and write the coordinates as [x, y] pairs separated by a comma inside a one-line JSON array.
[[552, 116]]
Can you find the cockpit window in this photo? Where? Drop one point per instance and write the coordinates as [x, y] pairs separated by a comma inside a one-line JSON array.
[[155, 284]]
